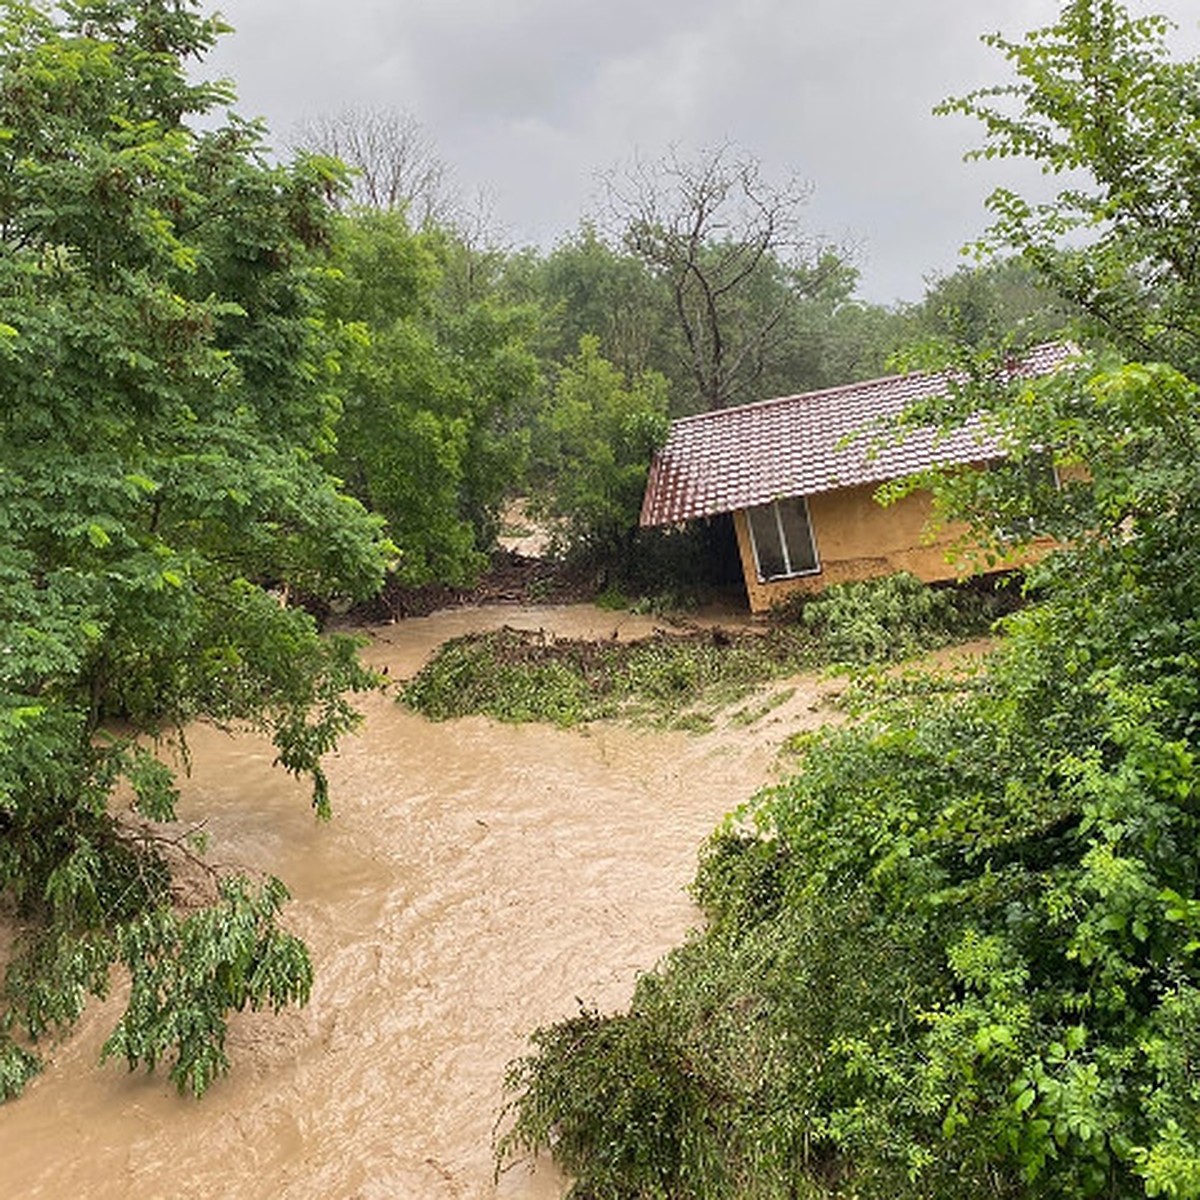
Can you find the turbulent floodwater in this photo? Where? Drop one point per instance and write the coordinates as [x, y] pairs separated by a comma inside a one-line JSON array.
[[475, 880]]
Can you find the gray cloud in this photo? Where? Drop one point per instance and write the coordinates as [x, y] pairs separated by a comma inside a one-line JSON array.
[[528, 100]]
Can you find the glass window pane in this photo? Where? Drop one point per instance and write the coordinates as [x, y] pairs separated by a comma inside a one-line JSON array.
[[768, 549], [802, 555]]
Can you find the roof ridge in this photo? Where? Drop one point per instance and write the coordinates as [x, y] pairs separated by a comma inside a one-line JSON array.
[[833, 390], [1024, 357]]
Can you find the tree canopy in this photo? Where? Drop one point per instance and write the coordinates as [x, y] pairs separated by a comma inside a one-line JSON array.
[[166, 401], [433, 386], [594, 440], [1099, 101], [727, 245]]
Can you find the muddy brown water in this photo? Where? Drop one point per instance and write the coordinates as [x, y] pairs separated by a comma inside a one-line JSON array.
[[476, 879]]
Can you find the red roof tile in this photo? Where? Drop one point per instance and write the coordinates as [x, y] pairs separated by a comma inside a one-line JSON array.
[[735, 458]]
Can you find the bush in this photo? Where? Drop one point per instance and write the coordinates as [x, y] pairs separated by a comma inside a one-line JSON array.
[[953, 955], [896, 616], [974, 971]]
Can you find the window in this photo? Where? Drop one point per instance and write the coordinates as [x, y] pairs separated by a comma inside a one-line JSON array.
[[781, 534]]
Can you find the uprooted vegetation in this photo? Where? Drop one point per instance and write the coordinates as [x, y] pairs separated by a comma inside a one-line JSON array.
[[680, 677]]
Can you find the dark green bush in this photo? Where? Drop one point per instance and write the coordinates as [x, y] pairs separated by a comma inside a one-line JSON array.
[[880, 620]]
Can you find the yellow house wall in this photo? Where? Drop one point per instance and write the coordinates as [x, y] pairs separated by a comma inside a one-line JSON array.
[[857, 538]]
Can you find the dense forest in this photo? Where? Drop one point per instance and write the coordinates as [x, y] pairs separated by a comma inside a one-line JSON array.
[[955, 953]]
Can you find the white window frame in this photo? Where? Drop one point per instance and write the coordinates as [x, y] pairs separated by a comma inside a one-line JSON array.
[[788, 572]]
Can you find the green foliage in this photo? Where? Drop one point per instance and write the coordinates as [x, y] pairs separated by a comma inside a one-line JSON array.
[[724, 242], [526, 677], [498, 674], [955, 953], [17, 1068], [429, 391], [1097, 97], [189, 971], [998, 302], [680, 679], [594, 442], [894, 617], [166, 398], [622, 1136], [591, 289], [790, 324], [515, 676]]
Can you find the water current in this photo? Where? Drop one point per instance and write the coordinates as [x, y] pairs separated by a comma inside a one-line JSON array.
[[477, 880]]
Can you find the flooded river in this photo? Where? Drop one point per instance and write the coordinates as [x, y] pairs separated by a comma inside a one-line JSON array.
[[475, 880]]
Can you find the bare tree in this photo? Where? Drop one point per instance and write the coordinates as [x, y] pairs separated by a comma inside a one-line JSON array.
[[393, 159], [731, 246]]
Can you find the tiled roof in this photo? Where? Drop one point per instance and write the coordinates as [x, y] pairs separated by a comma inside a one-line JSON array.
[[735, 458]]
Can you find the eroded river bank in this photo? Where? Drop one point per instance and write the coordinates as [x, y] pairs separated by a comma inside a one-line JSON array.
[[475, 880]]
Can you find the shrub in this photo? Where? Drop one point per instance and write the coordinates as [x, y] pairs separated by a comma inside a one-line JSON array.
[[896, 615], [953, 955]]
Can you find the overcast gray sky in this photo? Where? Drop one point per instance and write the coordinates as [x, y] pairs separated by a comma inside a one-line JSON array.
[[529, 100]]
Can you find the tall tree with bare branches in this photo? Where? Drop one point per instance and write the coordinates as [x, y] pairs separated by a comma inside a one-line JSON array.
[[730, 244], [393, 160]]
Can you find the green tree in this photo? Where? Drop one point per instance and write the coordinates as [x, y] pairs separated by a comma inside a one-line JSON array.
[[164, 400], [824, 337], [819, 335], [999, 302], [1098, 98], [589, 288], [431, 388], [593, 443], [955, 953], [857, 341]]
